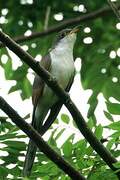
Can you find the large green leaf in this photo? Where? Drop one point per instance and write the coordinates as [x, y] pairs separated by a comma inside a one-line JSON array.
[[67, 149], [113, 108], [99, 131], [114, 126], [65, 118]]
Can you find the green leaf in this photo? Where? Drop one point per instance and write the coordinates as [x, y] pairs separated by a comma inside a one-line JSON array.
[[111, 89], [51, 140], [65, 177], [59, 134], [3, 172], [114, 126], [48, 168], [80, 144], [90, 123], [27, 116], [110, 143], [42, 157], [25, 178], [20, 73], [46, 178], [15, 144], [7, 136], [102, 174], [113, 108], [89, 150], [99, 131], [93, 104], [8, 70], [16, 171], [109, 116], [116, 134], [26, 89], [13, 89], [80, 148], [117, 165], [67, 149], [65, 118]]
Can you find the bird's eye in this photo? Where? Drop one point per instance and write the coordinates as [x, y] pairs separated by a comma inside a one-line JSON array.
[[62, 35]]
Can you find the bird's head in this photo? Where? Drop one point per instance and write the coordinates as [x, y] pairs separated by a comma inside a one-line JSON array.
[[66, 37]]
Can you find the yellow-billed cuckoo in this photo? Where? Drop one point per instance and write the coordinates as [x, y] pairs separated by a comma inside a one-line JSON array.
[[60, 63]]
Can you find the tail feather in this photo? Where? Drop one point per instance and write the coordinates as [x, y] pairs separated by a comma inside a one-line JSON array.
[[37, 120], [30, 156]]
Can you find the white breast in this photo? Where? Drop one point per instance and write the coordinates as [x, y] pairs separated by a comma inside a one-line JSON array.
[[62, 66], [62, 60]]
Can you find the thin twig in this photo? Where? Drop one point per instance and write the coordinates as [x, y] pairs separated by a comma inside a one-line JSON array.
[[66, 23], [114, 8]]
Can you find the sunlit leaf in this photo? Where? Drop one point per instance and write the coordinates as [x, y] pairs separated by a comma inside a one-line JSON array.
[[65, 118], [99, 131], [117, 164], [59, 134], [67, 149], [113, 108], [114, 126], [109, 116]]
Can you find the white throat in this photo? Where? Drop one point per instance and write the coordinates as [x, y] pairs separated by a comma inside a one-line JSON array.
[[62, 64], [65, 45]]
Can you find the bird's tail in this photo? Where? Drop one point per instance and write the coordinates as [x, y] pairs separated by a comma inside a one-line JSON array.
[[31, 152], [30, 156], [37, 121]]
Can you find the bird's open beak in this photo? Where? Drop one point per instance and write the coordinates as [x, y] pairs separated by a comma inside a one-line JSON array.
[[74, 30]]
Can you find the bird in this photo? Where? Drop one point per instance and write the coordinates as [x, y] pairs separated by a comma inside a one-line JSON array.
[[60, 63]]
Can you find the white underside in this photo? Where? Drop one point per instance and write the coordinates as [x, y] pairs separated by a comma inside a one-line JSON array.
[[62, 68]]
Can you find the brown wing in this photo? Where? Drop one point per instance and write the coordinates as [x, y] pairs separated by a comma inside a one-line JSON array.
[[55, 109], [39, 84]]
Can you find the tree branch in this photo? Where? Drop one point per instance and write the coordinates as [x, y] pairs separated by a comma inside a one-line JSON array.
[[66, 23], [64, 97], [114, 8], [41, 144]]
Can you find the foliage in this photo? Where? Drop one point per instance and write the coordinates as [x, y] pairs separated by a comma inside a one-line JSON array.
[[79, 154], [100, 72]]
